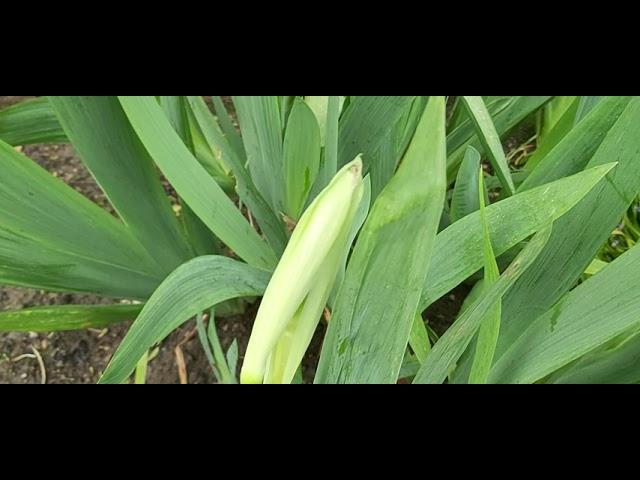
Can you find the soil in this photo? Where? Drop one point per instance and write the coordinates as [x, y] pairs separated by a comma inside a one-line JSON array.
[[79, 357]]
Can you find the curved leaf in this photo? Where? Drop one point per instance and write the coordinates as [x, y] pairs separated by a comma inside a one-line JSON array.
[[192, 288]]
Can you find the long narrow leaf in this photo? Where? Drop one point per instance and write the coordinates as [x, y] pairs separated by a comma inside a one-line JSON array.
[[193, 184], [177, 111], [376, 306], [365, 125], [262, 133], [53, 238], [490, 140], [580, 234], [191, 289], [596, 312], [505, 120], [459, 247], [270, 224], [301, 157], [102, 135], [67, 317], [454, 342], [465, 198], [576, 150], [29, 122], [490, 327]]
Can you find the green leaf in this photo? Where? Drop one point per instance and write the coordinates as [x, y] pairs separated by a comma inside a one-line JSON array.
[[581, 233], [365, 125], [67, 317], [229, 129], [270, 224], [301, 157], [177, 111], [454, 342], [193, 184], [262, 133], [615, 362], [419, 339], [29, 122], [553, 113], [490, 326], [358, 221], [370, 326], [505, 119], [490, 140], [191, 289], [573, 153], [575, 326], [465, 193], [459, 247], [104, 139], [53, 238], [558, 122], [320, 108], [393, 146], [232, 357], [586, 105], [461, 128], [329, 163]]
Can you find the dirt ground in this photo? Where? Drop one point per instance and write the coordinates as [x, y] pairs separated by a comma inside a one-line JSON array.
[[80, 357]]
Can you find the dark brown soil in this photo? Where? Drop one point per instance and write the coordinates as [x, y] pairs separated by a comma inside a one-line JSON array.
[[80, 357]]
